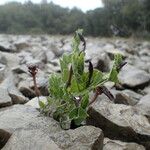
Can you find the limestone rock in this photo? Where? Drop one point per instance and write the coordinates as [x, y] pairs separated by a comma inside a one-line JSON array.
[[5, 100], [30, 140], [120, 121], [144, 105], [20, 117], [2, 72], [127, 97], [35, 101], [133, 78], [118, 145], [86, 137]]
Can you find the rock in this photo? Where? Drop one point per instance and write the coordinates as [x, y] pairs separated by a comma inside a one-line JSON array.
[[39, 54], [118, 145], [21, 45], [25, 57], [147, 90], [4, 136], [132, 77], [35, 132], [120, 122], [17, 97], [26, 119], [144, 105], [19, 69], [112, 52], [101, 62], [52, 69], [27, 92], [30, 140], [56, 50], [127, 97], [9, 85], [3, 59], [5, 100], [2, 72], [86, 137], [6, 47], [36, 62], [35, 101], [12, 59], [50, 56]]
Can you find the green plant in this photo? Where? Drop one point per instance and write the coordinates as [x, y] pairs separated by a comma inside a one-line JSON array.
[[69, 91]]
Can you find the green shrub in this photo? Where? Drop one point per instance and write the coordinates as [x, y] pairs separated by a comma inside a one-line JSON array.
[[69, 91]]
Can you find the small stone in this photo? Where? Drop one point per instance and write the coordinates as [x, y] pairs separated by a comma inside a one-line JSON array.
[[119, 145], [35, 101], [5, 100], [133, 78]]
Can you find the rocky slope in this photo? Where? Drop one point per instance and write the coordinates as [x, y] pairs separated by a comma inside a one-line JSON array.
[[119, 125]]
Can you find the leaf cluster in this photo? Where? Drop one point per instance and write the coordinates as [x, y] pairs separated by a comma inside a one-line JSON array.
[[69, 91]]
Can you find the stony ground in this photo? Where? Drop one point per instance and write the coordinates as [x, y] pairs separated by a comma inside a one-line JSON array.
[[123, 124]]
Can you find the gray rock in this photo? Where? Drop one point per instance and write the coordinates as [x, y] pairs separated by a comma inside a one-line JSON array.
[[19, 69], [20, 45], [56, 50], [101, 62], [4, 136], [50, 56], [118, 145], [27, 92], [147, 90], [52, 69], [2, 72], [112, 52], [20, 117], [24, 88], [35, 132], [82, 138], [9, 85], [144, 105], [5, 100], [133, 78], [12, 59], [35, 101], [30, 140], [7, 47], [39, 54], [120, 122], [3, 59], [127, 97]]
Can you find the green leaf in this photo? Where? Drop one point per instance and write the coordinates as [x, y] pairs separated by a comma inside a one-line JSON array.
[[118, 59], [73, 113], [85, 101], [56, 86], [76, 40], [82, 113], [42, 104], [64, 64], [78, 121], [113, 75], [97, 78]]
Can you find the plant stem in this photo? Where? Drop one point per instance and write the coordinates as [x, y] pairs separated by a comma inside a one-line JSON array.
[[94, 98], [37, 92]]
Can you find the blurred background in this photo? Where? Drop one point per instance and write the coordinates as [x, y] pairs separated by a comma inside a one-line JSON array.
[[97, 17]]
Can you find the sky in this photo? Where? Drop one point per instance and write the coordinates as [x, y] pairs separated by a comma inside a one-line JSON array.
[[84, 5]]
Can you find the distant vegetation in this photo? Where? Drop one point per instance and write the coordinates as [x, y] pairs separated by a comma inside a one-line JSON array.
[[123, 16]]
